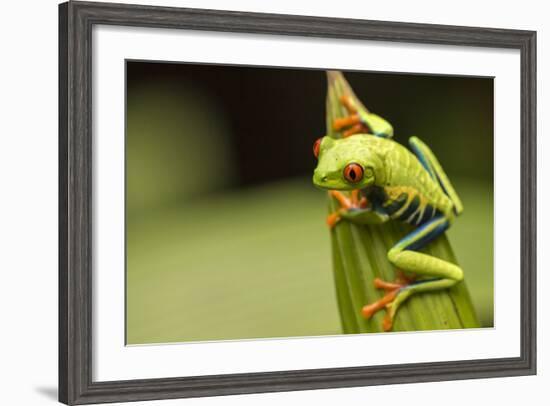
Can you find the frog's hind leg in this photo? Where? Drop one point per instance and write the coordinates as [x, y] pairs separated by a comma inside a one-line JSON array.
[[437, 274], [428, 159]]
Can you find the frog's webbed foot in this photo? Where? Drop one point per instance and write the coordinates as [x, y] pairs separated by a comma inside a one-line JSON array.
[[352, 124], [353, 202], [387, 301]]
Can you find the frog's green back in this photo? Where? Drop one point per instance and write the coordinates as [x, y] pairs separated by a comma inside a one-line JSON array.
[[396, 168], [403, 169]]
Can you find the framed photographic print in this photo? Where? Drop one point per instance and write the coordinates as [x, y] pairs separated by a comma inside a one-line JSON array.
[[258, 202]]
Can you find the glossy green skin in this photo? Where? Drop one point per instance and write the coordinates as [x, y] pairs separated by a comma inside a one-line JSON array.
[[404, 186], [386, 164]]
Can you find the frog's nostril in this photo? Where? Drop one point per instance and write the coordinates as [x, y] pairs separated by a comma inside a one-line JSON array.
[[321, 176]]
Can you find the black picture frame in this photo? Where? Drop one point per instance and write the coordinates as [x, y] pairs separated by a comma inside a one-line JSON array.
[[76, 20]]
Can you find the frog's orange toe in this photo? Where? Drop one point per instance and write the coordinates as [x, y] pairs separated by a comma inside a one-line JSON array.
[[392, 289], [380, 284], [387, 323], [344, 122], [369, 310], [333, 219], [348, 104], [356, 129]]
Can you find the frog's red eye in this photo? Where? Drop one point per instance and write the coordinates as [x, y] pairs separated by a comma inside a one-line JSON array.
[[317, 147], [353, 173]]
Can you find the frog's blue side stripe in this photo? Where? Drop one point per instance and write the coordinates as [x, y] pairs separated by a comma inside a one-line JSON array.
[[436, 227], [422, 159], [419, 281], [425, 163]]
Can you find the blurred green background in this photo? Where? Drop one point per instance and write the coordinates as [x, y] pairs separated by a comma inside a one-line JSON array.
[[226, 235]]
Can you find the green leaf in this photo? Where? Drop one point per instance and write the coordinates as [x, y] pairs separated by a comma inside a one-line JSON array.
[[360, 255]]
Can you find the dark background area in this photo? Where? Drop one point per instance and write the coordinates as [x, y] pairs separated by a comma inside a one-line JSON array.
[[274, 113]]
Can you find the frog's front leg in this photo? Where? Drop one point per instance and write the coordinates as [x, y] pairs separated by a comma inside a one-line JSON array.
[[354, 208], [360, 121], [352, 124]]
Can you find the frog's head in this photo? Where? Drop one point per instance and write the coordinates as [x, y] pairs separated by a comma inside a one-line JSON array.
[[346, 163]]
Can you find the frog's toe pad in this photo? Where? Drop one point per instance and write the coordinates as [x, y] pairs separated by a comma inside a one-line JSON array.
[[369, 310], [387, 323], [333, 219]]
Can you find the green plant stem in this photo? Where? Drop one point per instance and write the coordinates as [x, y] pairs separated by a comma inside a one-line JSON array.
[[360, 256]]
